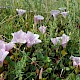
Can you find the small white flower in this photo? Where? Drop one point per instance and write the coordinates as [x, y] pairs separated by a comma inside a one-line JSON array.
[[32, 39], [19, 37], [2, 44], [55, 13], [38, 18], [6, 46], [65, 40], [64, 14], [9, 46], [42, 29], [3, 54], [56, 40], [20, 11], [76, 60]]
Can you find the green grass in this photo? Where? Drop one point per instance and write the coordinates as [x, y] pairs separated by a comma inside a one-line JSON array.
[[45, 53]]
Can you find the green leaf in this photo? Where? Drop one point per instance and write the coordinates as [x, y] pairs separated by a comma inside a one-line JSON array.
[[34, 59], [58, 78], [71, 77], [77, 70], [11, 63], [40, 56], [43, 79], [49, 70], [46, 59], [78, 77], [64, 52], [67, 68]]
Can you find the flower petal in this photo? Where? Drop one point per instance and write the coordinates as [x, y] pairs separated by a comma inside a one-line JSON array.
[[65, 39], [32, 39], [42, 29], [20, 11], [9, 46], [19, 37], [56, 40], [64, 14], [3, 54], [55, 13], [2, 44]]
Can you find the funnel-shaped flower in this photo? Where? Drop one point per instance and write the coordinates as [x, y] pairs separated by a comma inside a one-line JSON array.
[[9, 46], [42, 29], [65, 39], [32, 39], [3, 54], [38, 18], [2, 44], [76, 60], [6, 46], [19, 37], [55, 13], [56, 40], [61, 40], [64, 14], [20, 11]]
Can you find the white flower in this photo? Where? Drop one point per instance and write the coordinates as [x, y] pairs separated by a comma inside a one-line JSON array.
[[65, 40], [6, 46], [38, 18], [42, 29], [56, 40], [20, 11], [2, 44], [64, 14], [3, 54], [76, 60], [55, 13], [9, 46], [32, 39], [19, 37]]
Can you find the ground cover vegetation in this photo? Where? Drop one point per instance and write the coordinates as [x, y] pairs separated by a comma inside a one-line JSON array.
[[39, 40]]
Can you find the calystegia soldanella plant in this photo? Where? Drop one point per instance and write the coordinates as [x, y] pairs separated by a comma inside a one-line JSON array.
[[39, 39]]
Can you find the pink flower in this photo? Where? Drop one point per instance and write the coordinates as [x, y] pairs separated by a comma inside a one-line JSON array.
[[6, 46], [3, 54], [42, 29], [20, 11], [65, 40], [76, 60], [56, 40], [32, 39], [64, 14], [62, 40], [9, 46], [55, 13], [19, 37], [2, 44], [38, 18]]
